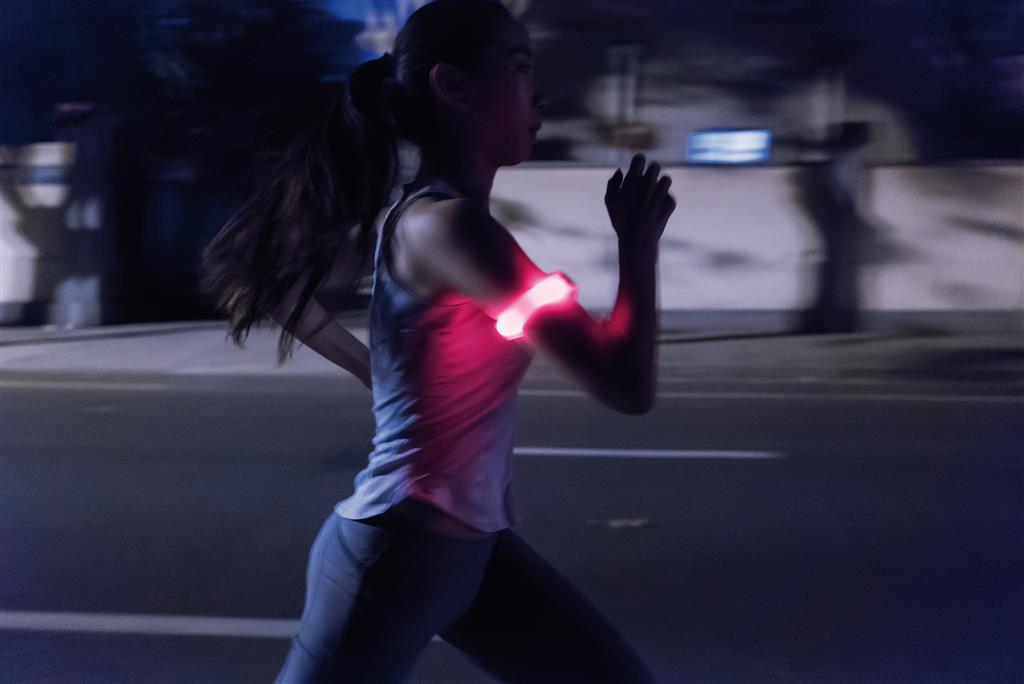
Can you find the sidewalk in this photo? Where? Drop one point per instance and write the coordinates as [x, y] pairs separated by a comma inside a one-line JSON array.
[[202, 348]]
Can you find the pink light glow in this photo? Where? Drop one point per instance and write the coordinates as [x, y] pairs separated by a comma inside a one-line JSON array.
[[549, 290]]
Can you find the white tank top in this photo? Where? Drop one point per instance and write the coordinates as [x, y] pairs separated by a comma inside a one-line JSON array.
[[445, 389]]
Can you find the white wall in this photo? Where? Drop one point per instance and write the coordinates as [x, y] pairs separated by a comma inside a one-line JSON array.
[[737, 239]]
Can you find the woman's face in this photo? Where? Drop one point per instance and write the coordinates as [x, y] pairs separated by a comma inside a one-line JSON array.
[[507, 100]]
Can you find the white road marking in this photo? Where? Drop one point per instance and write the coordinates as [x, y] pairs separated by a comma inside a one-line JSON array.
[[164, 625], [99, 408], [801, 381], [753, 396], [644, 453], [84, 385], [800, 396]]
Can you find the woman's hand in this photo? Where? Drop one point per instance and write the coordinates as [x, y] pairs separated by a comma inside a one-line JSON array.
[[639, 204]]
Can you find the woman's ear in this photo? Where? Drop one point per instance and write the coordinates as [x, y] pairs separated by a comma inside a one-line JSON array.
[[450, 84]]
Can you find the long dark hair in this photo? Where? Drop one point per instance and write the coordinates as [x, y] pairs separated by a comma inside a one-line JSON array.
[[324, 192]]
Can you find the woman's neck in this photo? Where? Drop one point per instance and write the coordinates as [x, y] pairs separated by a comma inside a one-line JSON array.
[[436, 181], [468, 174]]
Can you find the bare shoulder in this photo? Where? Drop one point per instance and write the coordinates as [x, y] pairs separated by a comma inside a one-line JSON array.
[[464, 226], [434, 219], [421, 232], [460, 245]]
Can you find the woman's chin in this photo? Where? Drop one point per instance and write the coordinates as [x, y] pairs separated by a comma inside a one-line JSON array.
[[529, 147], [519, 158]]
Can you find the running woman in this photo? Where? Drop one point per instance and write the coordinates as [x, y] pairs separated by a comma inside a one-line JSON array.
[[424, 546]]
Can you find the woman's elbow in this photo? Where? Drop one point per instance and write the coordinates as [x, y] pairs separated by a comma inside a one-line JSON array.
[[638, 408]]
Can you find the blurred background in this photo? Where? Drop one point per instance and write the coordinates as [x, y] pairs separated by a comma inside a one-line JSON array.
[[877, 146]]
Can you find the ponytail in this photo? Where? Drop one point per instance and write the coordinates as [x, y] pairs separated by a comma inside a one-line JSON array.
[[316, 208], [314, 213]]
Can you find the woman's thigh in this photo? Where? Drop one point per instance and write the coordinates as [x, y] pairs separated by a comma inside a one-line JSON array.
[[374, 599], [528, 623]]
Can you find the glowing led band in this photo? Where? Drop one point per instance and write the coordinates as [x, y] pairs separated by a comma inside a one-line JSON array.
[[551, 289]]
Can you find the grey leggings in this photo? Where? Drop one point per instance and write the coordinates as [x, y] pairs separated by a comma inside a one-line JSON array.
[[377, 593]]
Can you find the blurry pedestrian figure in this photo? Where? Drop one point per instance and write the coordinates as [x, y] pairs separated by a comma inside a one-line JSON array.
[[34, 193], [88, 293], [64, 197], [829, 192], [425, 544]]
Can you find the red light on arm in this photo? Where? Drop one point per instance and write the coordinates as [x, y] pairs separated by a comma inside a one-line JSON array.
[[551, 289]]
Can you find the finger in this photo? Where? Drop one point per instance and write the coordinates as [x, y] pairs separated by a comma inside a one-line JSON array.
[[614, 183], [662, 187], [657, 196], [636, 167], [650, 181], [666, 206]]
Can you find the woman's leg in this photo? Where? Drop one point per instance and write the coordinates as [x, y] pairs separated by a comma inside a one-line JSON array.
[[374, 599], [528, 623]]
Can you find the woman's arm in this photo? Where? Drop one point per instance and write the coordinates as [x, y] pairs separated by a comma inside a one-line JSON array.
[[319, 330]]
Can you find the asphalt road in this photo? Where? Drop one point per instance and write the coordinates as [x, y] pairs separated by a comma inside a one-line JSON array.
[[741, 532]]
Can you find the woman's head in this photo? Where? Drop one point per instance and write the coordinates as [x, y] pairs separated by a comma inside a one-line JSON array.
[[461, 71], [458, 84]]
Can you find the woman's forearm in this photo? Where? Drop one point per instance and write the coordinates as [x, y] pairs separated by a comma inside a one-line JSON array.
[[633, 322], [336, 344], [319, 330]]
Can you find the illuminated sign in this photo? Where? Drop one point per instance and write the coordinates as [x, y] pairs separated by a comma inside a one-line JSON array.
[[728, 146]]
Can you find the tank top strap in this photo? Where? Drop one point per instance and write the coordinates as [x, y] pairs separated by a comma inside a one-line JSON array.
[[395, 213]]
